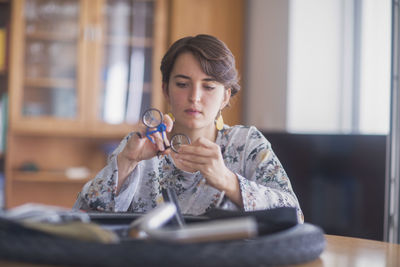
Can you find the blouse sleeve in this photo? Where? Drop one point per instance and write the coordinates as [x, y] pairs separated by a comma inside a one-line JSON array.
[[100, 193], [265, 184]]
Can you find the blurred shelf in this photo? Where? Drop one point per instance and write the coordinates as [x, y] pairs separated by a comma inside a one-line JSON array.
[[47, 176], [70, 128], [46, 36], [50, 82]]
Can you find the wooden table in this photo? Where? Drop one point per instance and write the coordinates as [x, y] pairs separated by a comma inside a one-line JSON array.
[[340, 251], [343, 251]]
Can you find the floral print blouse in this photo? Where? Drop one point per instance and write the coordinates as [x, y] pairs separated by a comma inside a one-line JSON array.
[[246, 152]]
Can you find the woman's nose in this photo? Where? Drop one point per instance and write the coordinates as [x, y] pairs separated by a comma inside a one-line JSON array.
[[195, 94]]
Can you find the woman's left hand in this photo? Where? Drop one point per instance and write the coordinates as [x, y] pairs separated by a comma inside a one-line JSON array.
[[206, 157]]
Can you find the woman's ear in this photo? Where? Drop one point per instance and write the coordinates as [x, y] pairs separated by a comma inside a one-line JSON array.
[[165, 90], [227, 97]]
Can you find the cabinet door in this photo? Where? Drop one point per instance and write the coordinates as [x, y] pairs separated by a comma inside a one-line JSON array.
[[128, 60], [85, 68], [45, 64]]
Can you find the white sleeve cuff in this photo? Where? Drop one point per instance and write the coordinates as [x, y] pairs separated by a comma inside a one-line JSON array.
[[128, 189]]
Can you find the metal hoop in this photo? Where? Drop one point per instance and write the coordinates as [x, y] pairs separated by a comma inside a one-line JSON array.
[[177, 140], [152, 118]]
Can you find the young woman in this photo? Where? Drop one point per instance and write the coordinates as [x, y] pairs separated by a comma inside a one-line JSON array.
[[230, 167]]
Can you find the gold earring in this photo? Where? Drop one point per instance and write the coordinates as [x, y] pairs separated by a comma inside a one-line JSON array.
[[219, 122], [171, 116]]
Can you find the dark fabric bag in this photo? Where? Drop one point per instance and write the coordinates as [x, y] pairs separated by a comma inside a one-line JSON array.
[[281, 242], [269, 221]]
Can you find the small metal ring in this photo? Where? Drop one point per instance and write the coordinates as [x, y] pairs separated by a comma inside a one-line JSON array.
[[151, 110], [176, 137]]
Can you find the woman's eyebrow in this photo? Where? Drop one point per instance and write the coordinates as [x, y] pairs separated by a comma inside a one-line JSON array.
[[182, 76], [209, 79]]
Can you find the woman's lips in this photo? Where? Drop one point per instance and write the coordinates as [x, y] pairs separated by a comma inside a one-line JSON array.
[[193, 112]]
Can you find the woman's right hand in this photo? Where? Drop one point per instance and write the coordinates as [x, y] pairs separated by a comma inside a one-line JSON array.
[[138, 149]]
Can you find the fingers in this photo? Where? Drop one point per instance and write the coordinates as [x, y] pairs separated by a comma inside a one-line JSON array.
[[197, 154], [168, 121], [193, 159], [201, 152], [152, 137], [166, 141], [135, 136], [201, 147], [159, 140], [138, 131]]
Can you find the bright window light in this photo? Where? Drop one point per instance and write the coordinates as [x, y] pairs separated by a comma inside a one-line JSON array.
[[339, 66]]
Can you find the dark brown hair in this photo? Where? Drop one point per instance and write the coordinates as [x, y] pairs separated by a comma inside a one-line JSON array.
[[216, 60]]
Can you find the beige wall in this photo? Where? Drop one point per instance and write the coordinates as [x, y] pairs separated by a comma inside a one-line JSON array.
[[265, 64]]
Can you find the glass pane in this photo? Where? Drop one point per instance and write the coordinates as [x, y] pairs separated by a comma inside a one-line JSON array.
[[59, 102], [51, 41], [128, 60], [50, 59]]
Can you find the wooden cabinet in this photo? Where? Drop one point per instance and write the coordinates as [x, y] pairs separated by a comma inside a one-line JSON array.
[[81, 73], [82, 67]]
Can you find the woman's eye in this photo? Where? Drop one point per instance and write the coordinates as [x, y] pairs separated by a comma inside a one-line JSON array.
[[181, 85], [208, 87]]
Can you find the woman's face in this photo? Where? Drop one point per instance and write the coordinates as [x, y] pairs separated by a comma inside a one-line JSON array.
[[195, 97]]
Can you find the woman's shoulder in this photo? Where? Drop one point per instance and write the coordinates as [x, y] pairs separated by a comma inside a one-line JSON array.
[[240, 129], [241, 132]]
